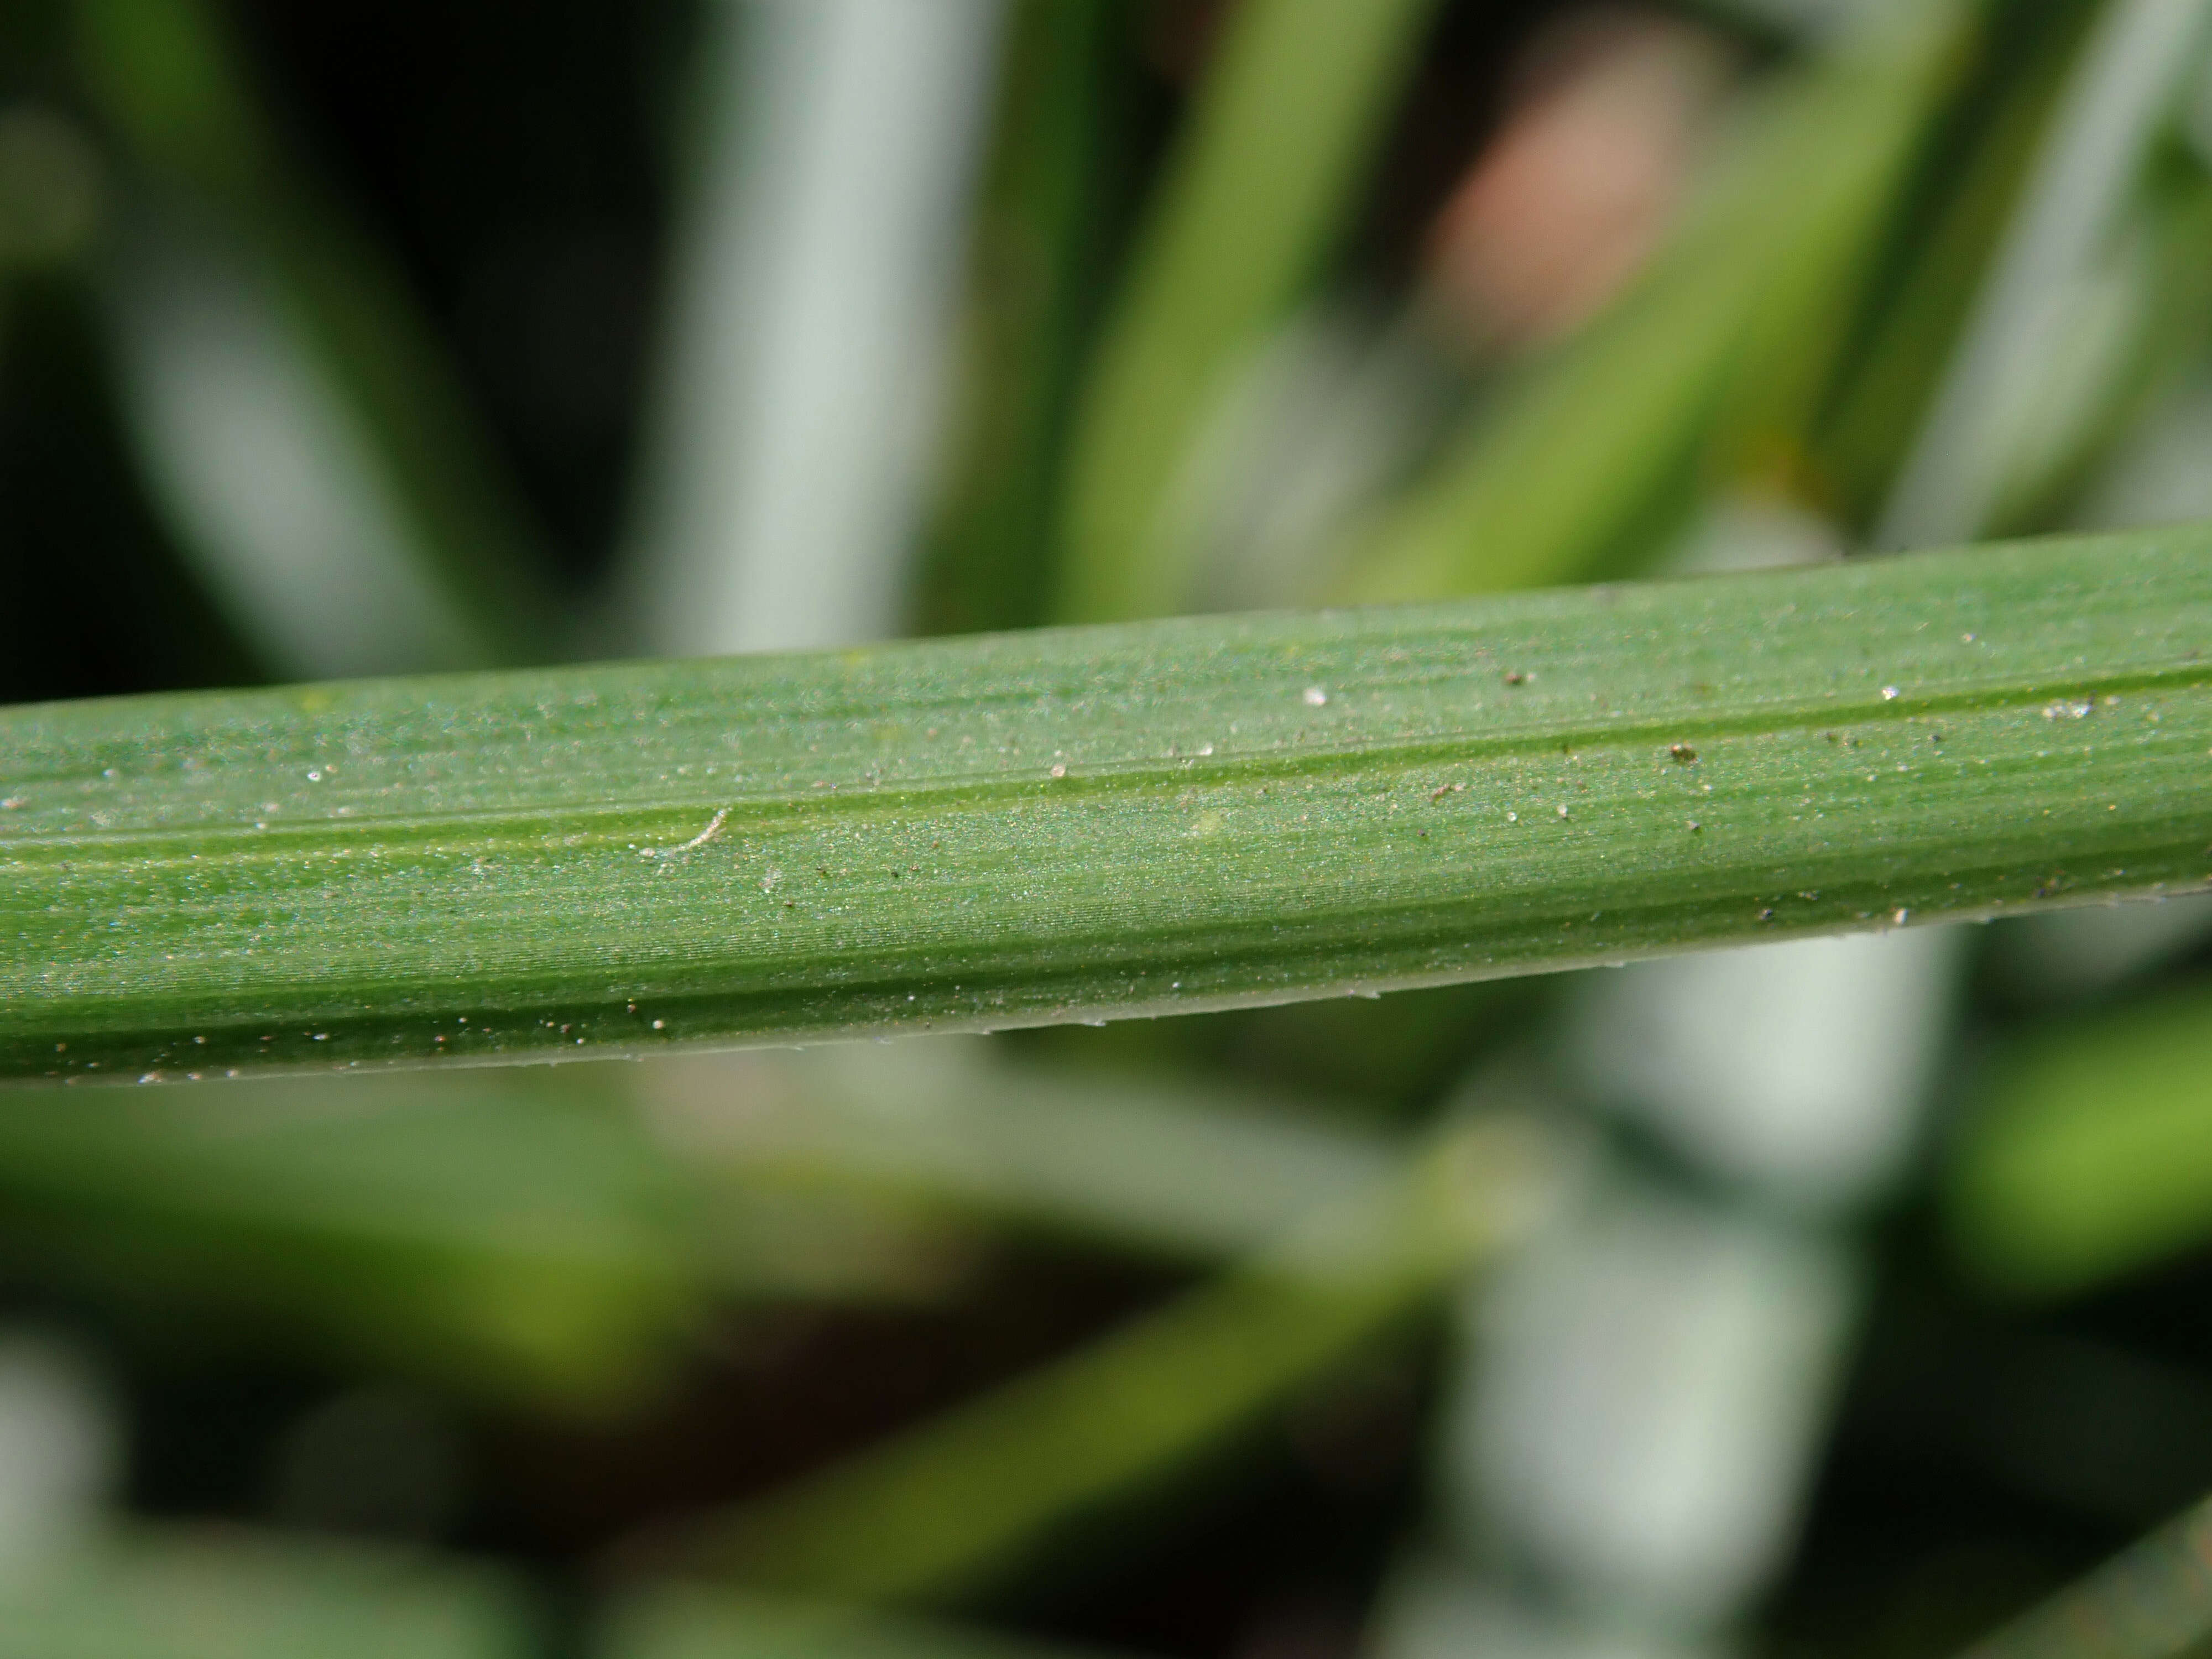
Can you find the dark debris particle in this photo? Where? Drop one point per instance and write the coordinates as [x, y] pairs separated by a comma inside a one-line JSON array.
[[1682, 752]]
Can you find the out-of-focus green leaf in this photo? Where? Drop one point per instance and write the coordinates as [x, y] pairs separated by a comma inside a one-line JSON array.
[[2166, 286], [945, 1509], [1940, 248], [2090, 1153], [169, 80], [489, 1233], [2116, 98], [1032, 829], [1263, 179], [1169, 1167], [1580, 465], [234, 1595], [52, 187], [2153, 1601], [1032, 290], [692, 1622]]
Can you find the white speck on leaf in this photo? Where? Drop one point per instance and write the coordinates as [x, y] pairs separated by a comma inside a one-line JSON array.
[[714, 829], [1316, 697]]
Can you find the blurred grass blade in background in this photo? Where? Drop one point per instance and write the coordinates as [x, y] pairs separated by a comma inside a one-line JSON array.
[[2123, 88], [1943, 235], [2153, 1601], [1264, 175], [1589, 457], [273, 487], [491, 1235], [1036, 270], [170, 82], [946, 1510], [2089, 1151], [173, 1594], [692, 1622], [806, 331], [1031, 828], [1186, 1171]]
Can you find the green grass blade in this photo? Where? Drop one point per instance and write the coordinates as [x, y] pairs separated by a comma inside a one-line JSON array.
[[1187, 1173], [2153, 1601], [2090, 1154], [172, 85], [2126, 77], [1033, 286], [1262, 180], [1581, 465], [942, 1510], [685, 1621], [183, 1593], [1026, 828], [524, 1243], [1983, 151]]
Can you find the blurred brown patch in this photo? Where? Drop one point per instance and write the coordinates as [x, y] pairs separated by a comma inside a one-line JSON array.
[[1603, 119]]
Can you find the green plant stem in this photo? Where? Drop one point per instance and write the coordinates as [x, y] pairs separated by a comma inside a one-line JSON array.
[[1079, 823]]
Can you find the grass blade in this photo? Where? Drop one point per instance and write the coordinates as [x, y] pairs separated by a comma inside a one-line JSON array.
[[2091, 1155], [2127, 77], [1190, 1174], [1261, 181], [942, 1510], [205, 1594], [1036, 259], [171, 83], [2153, 1601], [530, 1244], [683, 1621], [1026, 828], [1585, 460]]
